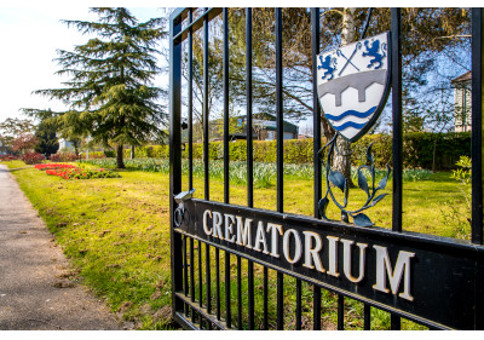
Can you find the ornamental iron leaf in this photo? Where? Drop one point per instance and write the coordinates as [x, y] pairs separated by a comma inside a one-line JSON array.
[[337, 179]]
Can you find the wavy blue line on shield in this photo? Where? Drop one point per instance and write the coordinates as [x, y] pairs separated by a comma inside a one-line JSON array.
[[349, 124], [353, 113]]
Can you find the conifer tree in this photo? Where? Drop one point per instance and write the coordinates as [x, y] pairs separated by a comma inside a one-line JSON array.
[[46, 135], [110, 94]]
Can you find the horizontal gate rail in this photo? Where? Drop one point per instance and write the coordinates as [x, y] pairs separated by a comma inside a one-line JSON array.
[[433, 281]]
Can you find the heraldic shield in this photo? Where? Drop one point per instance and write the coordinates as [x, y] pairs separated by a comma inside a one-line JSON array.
[[353, 84]]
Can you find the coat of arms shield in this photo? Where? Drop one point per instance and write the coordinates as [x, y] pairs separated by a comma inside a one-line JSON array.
[[353, 84]]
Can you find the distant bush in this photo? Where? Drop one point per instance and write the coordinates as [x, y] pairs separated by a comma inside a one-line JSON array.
[[6, 158], [418, 150], [63, 157], [109, 153], [96, 155], [32, 157]]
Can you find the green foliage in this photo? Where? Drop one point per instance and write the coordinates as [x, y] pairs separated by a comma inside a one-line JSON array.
[[110, 94], [464, 171], [47, 142], [418, 150], [458, 216]]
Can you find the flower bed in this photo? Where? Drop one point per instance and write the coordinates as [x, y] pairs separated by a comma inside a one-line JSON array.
[[54, 166], [68, 171]]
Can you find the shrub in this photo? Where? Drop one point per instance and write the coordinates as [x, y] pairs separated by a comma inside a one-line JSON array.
[[63, 157], [109, 153], [32, 157], [418, 150], [6, 158]]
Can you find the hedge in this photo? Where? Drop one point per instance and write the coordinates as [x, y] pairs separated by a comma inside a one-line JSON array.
[[418, 150]]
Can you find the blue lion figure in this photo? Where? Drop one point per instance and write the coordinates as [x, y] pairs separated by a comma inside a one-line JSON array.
[[372, 51], [329, 65]]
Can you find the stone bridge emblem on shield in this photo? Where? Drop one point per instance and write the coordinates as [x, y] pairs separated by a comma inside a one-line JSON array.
[[353, 84]]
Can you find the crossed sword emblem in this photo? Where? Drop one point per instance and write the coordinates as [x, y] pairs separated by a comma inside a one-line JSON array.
[[348, 60]]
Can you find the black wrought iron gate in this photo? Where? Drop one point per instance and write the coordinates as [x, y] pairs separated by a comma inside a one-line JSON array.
[[227, 275]]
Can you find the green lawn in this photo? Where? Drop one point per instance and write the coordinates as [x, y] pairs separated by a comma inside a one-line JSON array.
[[116, 233]]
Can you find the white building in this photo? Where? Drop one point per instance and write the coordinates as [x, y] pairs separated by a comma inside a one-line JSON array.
[[462, 102], [65, 145]]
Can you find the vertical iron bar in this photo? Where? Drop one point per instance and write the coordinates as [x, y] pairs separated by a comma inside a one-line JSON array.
[[341, 312], [315, 27], [226, 61], [192, 275], [367, 317], [396, 60], [200, 279], [250, 159], [205, 154], [266, 298], [477, 76], [217, 280], [316, 307], [395, 322], [228, 311], [205, 107], [175, 160], [190, 103], [316, 111], [250, 291], [298, 304], [280, 148], [185, 270], [280, 301], [208, 278], [477, 149], [239, 293]]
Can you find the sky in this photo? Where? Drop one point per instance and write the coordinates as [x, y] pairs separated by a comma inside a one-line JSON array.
[[30, 37]]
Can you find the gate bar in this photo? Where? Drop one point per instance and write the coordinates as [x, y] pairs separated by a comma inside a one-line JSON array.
[[226, 61], [250, 157], [239, 293], [316, 146], [280, 148], [396, 60], [205, 108], [175, 161], [190, 103], [476, 140], [248, 66]]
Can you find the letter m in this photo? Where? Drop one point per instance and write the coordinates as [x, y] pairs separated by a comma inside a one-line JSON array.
[[401, 270]]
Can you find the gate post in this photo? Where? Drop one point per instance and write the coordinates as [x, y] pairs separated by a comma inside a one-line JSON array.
[[476, 156], [175, 157]]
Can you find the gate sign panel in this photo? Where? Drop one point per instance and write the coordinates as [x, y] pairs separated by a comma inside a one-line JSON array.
[[405, 273], [353, 84]]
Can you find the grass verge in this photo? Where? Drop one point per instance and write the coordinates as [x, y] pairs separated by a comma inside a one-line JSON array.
[[116, 233]]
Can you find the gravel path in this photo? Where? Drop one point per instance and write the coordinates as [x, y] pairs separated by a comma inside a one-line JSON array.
[[37, 290]]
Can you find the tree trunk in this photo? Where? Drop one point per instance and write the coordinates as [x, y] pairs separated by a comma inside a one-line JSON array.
[[119, 156], [342, 156], [132, 152], [434, 156]]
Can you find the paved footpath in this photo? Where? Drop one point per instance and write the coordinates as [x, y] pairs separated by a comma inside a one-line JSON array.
[[36, 290]]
